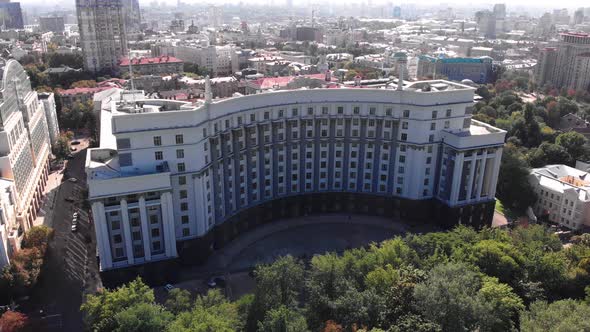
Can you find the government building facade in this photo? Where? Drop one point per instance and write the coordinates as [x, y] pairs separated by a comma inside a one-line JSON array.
[[174, 179]]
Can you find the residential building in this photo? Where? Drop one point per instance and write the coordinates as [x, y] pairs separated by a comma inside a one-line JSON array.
[[48, 100], [566, 65], [24, 154], [217, 60], [132, 15], [563, 195], [162, 65], [170, 177], [102, 33], [486, 23], [12, 15], [52, 24]]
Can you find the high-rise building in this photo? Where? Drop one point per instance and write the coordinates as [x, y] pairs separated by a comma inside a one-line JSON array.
[[102, 33], [48, 100], [52, 23], [24, 155], [545, 65], [500, 14], [11, 16], [486, 22], [132, 15], [215, 16], [579, 16], [567, 64]]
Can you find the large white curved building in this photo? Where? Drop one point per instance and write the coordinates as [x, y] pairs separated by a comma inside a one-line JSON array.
[[24, 156], [172, 179]]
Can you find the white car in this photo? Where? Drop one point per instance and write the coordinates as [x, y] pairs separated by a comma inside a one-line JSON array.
[[75, 215], [73, 180]]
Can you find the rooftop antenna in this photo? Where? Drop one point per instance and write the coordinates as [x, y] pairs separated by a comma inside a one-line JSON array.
[[130, 70], [208, 94]]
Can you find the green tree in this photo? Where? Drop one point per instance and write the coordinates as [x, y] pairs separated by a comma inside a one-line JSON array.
[[211, 312], [514, 189], [100, 309], [283, 319], [565, 315], [37, 237], [497, 259], [573, 143], [503, 305], [547, 154], [178, 300], [448, 297], [276, 284], [143, 317]]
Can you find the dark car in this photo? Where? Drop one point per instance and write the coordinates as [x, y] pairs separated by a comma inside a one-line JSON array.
[[216, 282]]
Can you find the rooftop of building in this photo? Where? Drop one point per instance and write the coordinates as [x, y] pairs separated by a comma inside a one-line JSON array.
[[150, 61], [561, 178]]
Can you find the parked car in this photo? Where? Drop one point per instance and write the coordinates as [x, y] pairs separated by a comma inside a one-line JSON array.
[[73, 148], [168, 288], [75, 215], [216, 282], [73, 180], [74, 228]]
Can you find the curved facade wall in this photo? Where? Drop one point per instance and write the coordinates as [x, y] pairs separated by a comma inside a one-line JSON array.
[[226, 157]]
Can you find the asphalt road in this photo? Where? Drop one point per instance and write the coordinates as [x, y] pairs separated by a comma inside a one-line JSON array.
[[70, 270]]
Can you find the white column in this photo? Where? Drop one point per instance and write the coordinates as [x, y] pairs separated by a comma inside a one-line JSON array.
[[471, 177], [169, 227], [457, 173], [145, 230], [496, 172], [482, 173], [165, 222], [127, 231], [102, 235]]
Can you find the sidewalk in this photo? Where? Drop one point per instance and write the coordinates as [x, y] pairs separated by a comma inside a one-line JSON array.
[[45, 215]]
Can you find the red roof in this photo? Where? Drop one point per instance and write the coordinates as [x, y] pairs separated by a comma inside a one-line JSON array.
[[150, 61], [80, 91]]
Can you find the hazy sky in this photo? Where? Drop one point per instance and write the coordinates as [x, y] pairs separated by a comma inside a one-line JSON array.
[[549, 4]]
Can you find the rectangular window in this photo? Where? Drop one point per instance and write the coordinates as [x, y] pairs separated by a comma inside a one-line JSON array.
[[181, 167], [186, 232], [125, 159], [180, 153], [340, 110], [183, 206], [404, 137], [179, 139], [182, 180], [184, 219], [433, 126], [157, 140], [406, 113], [449, 112], [434, 114], [183, 194], [123, 143], [158, 155]]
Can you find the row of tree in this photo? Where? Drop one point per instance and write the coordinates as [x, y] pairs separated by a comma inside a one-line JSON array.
[[533, 136], [461, 280], [21, 275]]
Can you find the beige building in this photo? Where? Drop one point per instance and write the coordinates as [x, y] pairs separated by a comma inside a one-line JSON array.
[[568, 64], [102, 33]]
